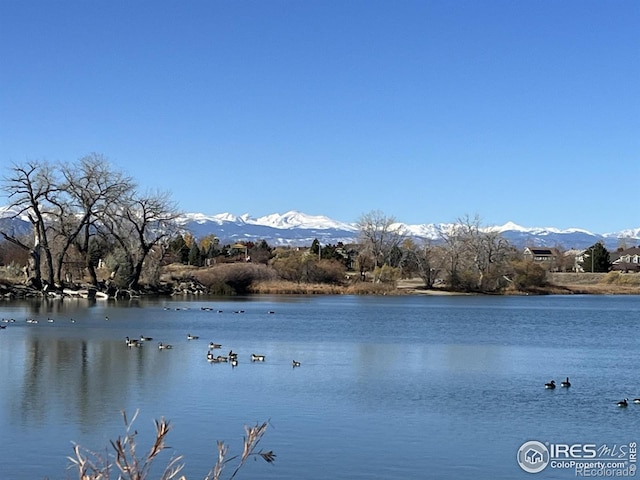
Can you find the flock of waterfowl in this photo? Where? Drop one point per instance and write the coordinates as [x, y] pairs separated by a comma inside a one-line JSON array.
[[566, 384], [231, 357], [29, 320]]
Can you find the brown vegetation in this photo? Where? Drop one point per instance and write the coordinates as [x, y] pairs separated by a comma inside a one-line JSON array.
[[295, 288], [127, 464], [249, 278], [612, 283]]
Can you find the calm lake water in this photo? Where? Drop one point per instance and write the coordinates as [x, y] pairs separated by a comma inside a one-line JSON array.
[[388, 388]]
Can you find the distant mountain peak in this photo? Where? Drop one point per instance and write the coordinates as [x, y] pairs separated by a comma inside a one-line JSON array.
[[509, 226], [296, 219], [299, 229]]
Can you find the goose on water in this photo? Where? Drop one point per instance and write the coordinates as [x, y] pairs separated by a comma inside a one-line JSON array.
[[566, 383], [551, 385]]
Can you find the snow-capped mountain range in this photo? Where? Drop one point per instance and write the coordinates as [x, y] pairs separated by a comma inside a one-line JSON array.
[[299, 229], [296, 228]]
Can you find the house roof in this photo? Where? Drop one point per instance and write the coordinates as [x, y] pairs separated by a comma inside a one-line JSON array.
[[539, 251], [613, 256]]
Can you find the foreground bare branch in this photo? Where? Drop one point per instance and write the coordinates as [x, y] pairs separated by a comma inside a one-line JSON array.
[[126, 464]]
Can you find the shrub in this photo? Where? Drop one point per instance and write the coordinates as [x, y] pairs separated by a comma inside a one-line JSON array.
[[126, 464], [233, 277], [327, 271], [528, 275], [386, 274], [619, 278]]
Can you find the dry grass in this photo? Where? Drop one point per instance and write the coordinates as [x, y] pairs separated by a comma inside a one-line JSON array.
[[612, 283], [177, 271], [368, 288], [11, 275], [603, 289], [284, 287], [126, 464], [622, 279]]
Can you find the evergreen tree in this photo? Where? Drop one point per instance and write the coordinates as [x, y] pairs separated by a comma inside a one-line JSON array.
[[194, 255], [260, 253], [315, 247], [179, 248], [596, 259]]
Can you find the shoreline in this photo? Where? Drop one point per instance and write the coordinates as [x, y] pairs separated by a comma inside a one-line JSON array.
[[179, 288]]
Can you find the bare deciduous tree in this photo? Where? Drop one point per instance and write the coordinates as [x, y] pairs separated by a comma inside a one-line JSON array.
[[426, 259], [138, 224], [28, 187], [454, 247], [79, 211], [476, 257], [85, 190], [380, 236]]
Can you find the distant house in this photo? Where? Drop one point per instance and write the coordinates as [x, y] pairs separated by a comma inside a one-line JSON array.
[[546, 257], [573, 260], [627, 260]]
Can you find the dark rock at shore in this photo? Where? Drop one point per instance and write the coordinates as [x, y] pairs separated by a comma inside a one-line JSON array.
[[102, 291]]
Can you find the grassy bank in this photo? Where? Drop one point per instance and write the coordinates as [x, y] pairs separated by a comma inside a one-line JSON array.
[[612, 283], [258, 281], [360, 288]]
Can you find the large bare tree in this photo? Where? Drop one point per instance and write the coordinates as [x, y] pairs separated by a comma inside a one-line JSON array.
[[28, 187], [380, 236], [454, 248], [90, 185], [425, 258], [75, 206], [138, 224], [477, 257]]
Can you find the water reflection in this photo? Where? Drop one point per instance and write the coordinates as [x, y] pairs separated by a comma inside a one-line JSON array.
[[380, 380], [75, 380]]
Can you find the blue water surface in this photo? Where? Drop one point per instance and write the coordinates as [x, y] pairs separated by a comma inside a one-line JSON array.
[[409, 387]]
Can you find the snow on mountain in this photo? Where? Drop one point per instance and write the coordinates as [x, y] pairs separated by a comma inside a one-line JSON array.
[[513, 227], [430, 231], [12, 225], [294, 219], [296, 228], [630, 233], [9, 212], [299, 229], [291, 228], [202, 218], [509, 226]]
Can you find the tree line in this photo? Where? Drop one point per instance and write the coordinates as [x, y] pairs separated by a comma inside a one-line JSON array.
[[87, 214], [83, 212]]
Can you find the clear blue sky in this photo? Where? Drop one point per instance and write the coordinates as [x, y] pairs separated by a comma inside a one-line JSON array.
[[523, 111]]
